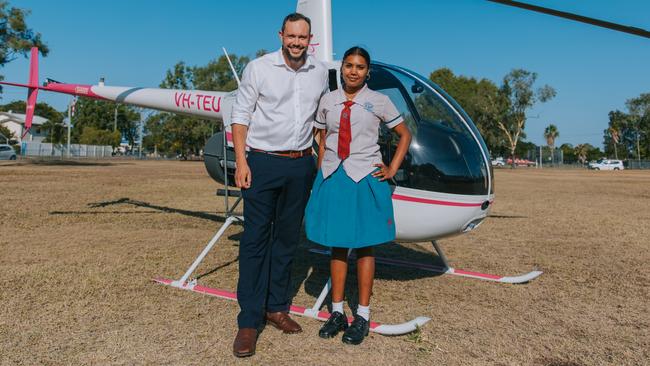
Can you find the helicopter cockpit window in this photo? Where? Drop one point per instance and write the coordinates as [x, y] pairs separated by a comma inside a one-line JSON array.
[[444, 155]]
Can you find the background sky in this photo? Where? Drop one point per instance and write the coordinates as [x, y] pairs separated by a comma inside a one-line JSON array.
[[134, 43]]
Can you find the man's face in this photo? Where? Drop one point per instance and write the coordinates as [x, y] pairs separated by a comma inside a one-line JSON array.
[[295, 40]]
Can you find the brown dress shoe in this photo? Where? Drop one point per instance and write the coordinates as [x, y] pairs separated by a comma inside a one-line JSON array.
[[282, 321], [245, 341]]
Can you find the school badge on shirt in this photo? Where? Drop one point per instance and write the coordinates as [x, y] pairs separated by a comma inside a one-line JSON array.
[[368, 106]]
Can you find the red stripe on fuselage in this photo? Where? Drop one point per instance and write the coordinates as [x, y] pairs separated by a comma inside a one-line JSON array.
[[400, 197]]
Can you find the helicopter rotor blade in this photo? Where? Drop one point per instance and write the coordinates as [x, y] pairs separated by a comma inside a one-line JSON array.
[[575, 17]]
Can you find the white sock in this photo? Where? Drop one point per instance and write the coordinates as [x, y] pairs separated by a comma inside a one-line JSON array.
[[364, 312], [337, 306]]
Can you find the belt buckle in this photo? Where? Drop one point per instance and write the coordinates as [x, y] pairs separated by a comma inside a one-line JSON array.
[[295, 154]]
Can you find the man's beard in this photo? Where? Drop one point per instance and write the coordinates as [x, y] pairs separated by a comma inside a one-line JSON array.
[[290, 57]]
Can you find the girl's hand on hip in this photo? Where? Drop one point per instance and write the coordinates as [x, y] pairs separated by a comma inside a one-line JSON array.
[[383, 173]]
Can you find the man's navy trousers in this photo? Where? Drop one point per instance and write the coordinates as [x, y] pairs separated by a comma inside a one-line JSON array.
[[274, 206]]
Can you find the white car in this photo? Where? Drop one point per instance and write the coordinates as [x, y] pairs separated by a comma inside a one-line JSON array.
[[7, 152], [607, 164], [498, 162]]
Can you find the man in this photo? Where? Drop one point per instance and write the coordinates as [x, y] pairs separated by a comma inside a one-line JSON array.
[[273, 116]]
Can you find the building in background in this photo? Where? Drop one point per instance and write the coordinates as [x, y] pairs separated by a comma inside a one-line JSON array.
[[15, 122]]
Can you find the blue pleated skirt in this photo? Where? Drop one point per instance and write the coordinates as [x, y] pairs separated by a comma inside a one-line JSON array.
[[344, 213]]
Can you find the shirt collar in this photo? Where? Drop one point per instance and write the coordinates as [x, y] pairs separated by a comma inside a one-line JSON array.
[[358, 99], [279, 61]]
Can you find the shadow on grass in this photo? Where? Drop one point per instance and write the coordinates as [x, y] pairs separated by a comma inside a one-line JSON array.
[[313, 269], [155, 208], [52, 162], [507, 217]]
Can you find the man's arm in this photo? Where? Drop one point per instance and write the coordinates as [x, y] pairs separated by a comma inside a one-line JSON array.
[[247, 95], [242, 172]]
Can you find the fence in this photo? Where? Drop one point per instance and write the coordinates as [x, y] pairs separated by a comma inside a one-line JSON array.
[[637, 164], [60, 150]]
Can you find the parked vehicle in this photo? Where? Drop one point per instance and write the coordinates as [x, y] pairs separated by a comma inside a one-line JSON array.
[[521, 162], [7, 152], [607, 164], [498, 162]]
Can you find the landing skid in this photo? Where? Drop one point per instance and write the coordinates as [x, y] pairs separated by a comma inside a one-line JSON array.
[[185, 283], [446, 269], [314, 313]]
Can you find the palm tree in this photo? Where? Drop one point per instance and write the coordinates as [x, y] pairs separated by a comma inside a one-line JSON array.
[[613, 132], [550, 134], [581, 151]]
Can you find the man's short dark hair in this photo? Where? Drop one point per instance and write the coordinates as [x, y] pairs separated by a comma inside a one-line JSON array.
[[294, 17]]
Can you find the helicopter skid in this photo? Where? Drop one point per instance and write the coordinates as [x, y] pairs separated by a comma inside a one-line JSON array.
[[314, 313], [523, 278]]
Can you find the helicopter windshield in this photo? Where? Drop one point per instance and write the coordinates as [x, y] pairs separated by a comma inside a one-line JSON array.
[[445, 153]]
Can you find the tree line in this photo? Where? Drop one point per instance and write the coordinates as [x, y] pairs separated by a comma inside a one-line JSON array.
[[499, 111]]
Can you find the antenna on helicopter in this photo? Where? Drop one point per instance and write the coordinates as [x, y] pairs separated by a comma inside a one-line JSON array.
[[232, 68]]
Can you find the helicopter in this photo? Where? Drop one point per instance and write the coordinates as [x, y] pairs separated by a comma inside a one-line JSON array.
[[445, 186]]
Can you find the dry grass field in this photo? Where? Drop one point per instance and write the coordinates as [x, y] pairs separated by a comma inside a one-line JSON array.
[[81, 241]]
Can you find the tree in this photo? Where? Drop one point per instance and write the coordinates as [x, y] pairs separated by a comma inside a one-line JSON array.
[[16, 38], [620, 130], [6, 136], [581, 151], [518, 89], [101, 116], [640, 123], [95, 136], [550, 134], [482, 101], [568, 153]]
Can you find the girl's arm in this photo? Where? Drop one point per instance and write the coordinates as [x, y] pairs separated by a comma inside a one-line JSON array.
[[389, 172]]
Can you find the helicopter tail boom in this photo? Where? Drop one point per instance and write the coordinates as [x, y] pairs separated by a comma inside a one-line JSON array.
[[197, 103]]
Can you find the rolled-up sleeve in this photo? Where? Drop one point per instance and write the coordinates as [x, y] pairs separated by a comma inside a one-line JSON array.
[[242, 111], [390, 115]]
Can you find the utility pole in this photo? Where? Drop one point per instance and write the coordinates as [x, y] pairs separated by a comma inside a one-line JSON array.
[[140, 132], [69, 124], [638, 148], [115, 119]]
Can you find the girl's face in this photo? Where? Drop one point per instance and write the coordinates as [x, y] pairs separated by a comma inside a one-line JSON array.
[[355, 71]]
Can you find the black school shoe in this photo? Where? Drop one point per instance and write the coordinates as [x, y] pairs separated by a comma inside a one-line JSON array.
[[357, 331], [336, 323]]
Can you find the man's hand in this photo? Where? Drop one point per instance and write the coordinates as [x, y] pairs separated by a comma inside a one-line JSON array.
[[243, 175]]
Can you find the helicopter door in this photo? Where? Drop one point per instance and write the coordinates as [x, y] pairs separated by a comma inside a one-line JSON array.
[[444, 155]]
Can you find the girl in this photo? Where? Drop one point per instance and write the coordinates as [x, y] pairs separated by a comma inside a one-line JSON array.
[[350, 205]]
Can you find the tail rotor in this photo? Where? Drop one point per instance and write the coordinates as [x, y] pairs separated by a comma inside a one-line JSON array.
[[32, 91]]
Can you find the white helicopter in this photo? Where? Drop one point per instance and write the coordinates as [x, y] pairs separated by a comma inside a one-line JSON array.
[[444, 187]]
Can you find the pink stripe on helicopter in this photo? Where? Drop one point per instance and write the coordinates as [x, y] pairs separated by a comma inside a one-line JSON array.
[[75, 89], [400, 197]]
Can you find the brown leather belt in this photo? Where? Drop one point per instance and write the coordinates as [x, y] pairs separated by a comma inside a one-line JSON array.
[[293, 154]]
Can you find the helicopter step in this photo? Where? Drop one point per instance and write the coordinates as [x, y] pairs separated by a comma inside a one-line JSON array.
[[446, 269], [384, 329]]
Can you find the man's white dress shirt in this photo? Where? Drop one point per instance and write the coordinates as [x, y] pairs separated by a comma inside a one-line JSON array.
[[278, 103]]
